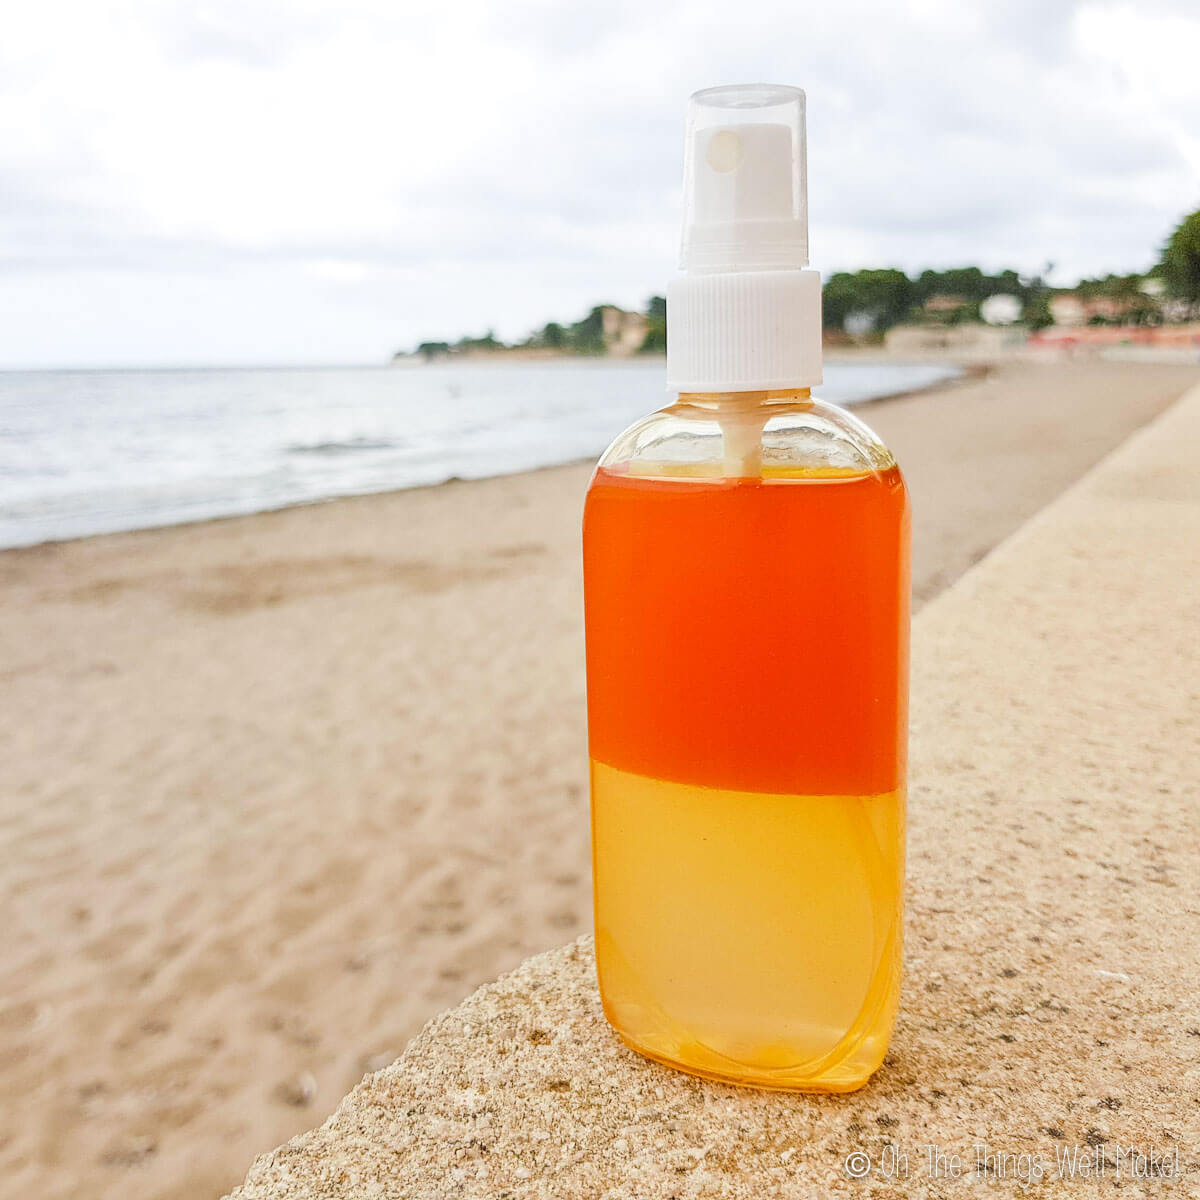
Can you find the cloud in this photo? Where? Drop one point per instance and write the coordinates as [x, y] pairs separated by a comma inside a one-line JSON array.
[[341, 178]]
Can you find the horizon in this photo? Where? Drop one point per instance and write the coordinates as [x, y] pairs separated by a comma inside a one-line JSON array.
[[242, 185], [363, 365]]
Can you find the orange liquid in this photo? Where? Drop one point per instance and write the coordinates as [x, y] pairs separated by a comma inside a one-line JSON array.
[[747, 687]]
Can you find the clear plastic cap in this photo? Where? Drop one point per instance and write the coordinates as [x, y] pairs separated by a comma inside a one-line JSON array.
[[745, 200]]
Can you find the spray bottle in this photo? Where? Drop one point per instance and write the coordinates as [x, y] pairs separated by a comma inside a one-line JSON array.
[[746, 570]]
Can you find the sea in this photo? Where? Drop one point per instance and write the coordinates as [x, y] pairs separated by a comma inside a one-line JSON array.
[[88, 452]]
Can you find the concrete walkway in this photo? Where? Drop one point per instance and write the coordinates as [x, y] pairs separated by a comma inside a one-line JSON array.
[[1052, 999]]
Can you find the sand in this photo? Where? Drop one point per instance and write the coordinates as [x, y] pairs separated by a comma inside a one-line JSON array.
[[278, 789]]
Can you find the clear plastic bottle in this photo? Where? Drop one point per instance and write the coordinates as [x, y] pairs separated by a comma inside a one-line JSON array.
[[746, 563]]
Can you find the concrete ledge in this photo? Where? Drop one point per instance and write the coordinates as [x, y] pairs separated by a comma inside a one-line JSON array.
[[1051, 1005]]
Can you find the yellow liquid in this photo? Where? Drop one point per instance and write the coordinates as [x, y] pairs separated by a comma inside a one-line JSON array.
[[748, 936]]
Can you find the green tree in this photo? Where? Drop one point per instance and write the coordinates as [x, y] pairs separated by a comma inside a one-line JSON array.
[[1181, 260], [587, 336], [1037, 314], [655, 341], [554, 336], [487, 342], [1008, 283], [967, 282], [1130, 303], [886, 294], [970, 283]]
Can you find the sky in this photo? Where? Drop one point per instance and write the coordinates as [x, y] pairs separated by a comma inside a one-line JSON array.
[[328, 181]]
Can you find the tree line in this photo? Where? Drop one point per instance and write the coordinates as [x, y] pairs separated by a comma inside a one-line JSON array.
[[876, 299], [879, 299], [584, 337]]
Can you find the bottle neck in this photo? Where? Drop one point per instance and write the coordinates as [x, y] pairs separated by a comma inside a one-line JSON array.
[[743, 417], [746, 401]]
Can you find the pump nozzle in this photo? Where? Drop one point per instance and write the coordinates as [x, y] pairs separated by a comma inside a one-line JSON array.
[[745, 207], [745, 315]]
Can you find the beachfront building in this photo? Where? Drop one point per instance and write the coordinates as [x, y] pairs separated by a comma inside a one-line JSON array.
[[623, 332]]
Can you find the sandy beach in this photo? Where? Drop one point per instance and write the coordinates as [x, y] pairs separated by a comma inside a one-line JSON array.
[[277, 789]]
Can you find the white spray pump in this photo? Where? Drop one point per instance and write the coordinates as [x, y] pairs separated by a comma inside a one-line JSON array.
[[745, 316]]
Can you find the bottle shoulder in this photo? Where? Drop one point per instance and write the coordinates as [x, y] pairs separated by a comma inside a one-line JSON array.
[[796, 437]]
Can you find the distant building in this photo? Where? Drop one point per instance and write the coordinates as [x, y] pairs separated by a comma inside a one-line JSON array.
[[939, 302], [1072, 309], [1001, 309], [860, 322], [1068, 310], [1109, 302], [623, 332]]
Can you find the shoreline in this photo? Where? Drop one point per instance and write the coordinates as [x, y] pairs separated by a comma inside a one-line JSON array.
[[968, 373]]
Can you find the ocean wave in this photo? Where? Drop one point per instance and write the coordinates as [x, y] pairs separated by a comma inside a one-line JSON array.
[[343, 446]]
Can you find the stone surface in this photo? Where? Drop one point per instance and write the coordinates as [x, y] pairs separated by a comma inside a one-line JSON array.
[[1051, 1006]]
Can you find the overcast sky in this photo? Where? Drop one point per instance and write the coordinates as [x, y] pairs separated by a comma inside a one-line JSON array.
[[299, 181]]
